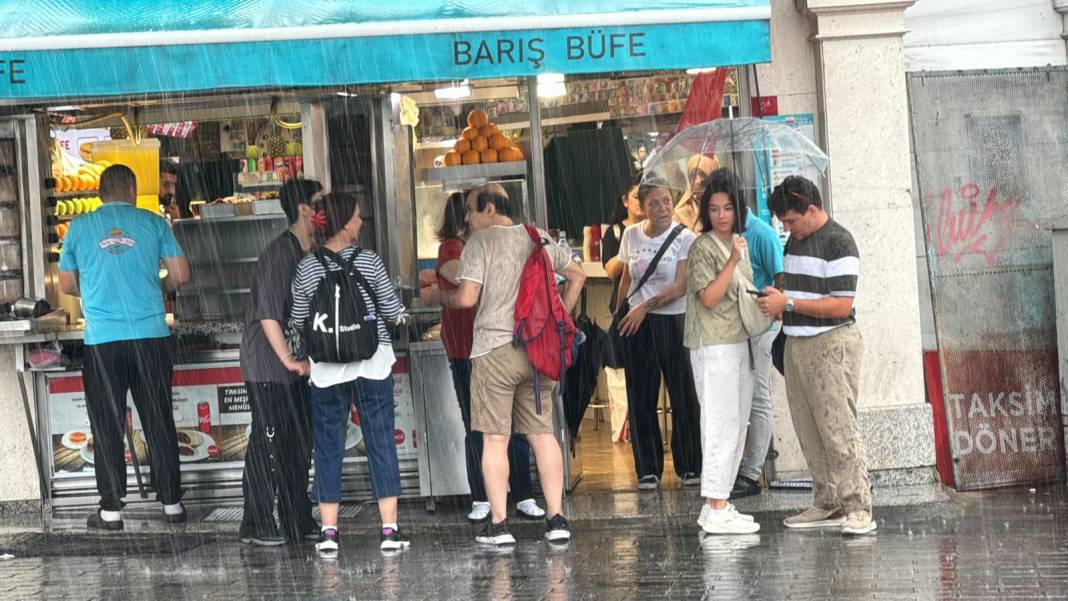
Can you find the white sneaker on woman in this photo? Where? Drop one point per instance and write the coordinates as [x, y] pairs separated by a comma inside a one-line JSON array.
[[705, 508], [479, 511], [725, 521]]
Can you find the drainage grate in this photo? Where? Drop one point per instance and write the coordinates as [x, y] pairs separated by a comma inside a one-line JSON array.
[[234, 514]]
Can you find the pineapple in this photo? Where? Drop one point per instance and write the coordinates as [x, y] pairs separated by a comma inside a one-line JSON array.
[[276, 145]]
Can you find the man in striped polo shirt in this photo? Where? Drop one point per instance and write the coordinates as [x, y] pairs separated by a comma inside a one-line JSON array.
[[822, 361]]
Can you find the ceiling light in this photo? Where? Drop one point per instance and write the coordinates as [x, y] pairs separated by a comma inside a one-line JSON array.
[[551, 90], [453, 92], [544, 78]]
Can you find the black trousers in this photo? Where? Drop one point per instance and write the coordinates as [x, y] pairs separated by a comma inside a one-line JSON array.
[[144, 368], [656, 349], [277, 459], [519, 483]]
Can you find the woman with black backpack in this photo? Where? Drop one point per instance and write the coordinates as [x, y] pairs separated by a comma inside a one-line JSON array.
[[342, 297]]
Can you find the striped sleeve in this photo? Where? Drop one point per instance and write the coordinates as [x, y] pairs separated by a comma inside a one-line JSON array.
[[305, 279], [372, 268]]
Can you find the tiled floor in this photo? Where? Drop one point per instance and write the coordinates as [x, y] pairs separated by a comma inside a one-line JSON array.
[[608, 465]]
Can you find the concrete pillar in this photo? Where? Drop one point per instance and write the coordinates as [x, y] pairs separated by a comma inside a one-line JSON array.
[[18, 470], [1061, 6], [864, 128]]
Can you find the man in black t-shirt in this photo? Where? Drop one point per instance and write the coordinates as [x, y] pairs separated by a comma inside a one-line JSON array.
[[279, 447], [822, 360]]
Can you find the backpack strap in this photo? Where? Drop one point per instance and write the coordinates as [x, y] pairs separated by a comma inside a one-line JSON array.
[[348, 266]]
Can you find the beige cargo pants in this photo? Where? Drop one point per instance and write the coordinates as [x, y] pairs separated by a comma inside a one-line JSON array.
[[822, 381]]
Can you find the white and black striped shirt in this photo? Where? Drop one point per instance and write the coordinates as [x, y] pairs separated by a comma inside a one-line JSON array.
[[310, 272], [825, 263]]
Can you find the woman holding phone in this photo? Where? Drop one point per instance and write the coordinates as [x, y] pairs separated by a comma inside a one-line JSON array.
[[720, 277]]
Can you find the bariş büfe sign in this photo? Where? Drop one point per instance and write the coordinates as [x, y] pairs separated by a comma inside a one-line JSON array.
[[596, 45]]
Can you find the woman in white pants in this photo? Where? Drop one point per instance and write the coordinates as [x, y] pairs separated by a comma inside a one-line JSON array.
[[719, 349]]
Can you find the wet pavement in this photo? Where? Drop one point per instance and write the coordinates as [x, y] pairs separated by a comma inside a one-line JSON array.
[[1010, 544]]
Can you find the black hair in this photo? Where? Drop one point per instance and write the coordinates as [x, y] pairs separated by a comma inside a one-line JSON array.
[[493, 195], [452, 222], [795, 193], [725, 181], [167, 166], [620, 212], [117, 182], [296, 192], [338, 208], [652, 183]]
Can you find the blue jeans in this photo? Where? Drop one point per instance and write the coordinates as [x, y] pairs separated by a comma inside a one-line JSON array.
[[330, 412]]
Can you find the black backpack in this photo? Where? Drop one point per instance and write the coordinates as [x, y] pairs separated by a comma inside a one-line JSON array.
[[341, 328]]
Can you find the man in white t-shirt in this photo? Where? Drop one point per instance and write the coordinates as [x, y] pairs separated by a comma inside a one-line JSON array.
[[502, 378]]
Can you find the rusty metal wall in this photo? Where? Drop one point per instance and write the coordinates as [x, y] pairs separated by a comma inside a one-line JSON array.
[[990, 156]]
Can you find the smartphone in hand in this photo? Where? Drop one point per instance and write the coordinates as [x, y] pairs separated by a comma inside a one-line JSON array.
[[757, 293]]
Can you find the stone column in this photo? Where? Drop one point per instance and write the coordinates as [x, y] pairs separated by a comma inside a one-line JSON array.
[[864, 128], [1061, 6]]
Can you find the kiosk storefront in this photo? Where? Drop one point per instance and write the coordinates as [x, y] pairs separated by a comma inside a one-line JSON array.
[[332, 84]]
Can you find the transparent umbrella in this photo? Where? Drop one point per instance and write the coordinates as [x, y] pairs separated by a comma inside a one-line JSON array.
[[764, 142]]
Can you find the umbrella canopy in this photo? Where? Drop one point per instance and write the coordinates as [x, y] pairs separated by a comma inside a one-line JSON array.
[[765, 142], [724, 137]]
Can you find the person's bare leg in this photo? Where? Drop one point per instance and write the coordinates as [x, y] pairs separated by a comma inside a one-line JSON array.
[[550, 470], [387, 509], [495, 474], [328, 514]]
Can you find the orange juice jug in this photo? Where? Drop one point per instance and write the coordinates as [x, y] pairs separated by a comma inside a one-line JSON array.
[[142, 158]]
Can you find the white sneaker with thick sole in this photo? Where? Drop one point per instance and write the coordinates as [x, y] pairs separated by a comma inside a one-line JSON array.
[[725, 521], [528, 509], [479, 511], [730, 507]]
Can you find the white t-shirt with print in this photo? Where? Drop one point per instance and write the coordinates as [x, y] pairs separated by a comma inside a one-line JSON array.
[[637, 251]]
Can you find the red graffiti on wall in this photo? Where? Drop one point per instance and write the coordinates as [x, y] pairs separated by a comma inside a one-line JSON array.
[[964, 226]]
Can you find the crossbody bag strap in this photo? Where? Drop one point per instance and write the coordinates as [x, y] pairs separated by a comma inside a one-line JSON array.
[[656, 259]]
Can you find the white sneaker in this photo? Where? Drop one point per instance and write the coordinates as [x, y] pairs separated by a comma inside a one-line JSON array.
[[479, 511], [745, 516], [705, 508], [528, 509], [728, 522]]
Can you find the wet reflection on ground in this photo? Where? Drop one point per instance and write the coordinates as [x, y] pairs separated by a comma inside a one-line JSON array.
[[991, 546]]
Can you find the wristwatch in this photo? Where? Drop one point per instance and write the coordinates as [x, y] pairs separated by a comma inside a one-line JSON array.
[[789, 305]]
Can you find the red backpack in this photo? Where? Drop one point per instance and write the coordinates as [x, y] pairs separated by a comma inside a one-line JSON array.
[[542, 325]]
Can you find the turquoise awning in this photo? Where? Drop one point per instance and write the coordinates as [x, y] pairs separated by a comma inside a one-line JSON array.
[[69, 49]]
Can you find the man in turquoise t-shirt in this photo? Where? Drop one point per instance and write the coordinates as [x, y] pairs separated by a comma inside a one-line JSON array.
[[765, 254], [111, 258]]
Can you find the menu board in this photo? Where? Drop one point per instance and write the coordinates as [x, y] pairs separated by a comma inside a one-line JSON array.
[[212, 416]]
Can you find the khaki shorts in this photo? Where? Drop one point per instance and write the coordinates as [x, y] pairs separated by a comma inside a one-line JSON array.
[[502, 394]]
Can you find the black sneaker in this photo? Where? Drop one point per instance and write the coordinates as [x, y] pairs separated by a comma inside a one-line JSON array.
[[265, 537], [99, 523], [690, 479], [329, 541], [557, 529], [648, 483], [393, 540], [495, 534], [744, 487]]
